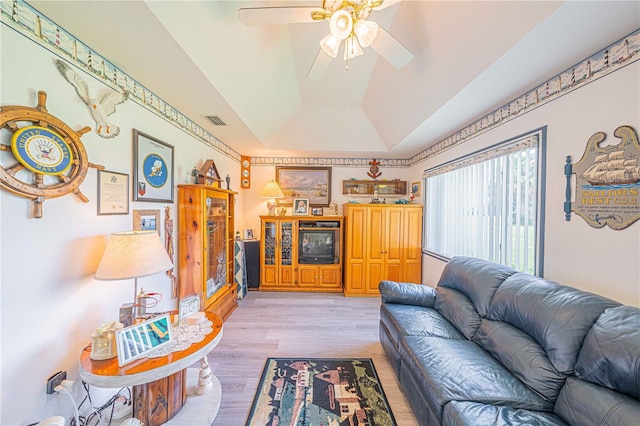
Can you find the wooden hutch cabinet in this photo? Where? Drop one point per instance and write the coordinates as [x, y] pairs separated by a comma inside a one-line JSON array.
[[277, 251], [205, 247], [383, 242], [301, 253]]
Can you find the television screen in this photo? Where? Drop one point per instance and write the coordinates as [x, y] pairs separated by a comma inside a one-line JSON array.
[[316, 246]]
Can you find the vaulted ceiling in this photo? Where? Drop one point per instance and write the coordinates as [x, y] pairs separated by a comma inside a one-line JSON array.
[[470, 58]]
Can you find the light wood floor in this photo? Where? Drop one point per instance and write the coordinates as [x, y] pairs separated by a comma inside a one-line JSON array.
[[270, 324]]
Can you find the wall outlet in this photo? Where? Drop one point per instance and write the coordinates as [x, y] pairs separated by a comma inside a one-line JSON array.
[[55, 380]]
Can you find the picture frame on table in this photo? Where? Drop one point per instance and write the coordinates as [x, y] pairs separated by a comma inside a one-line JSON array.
[[152, 169], [301, 207], [113, 193], [138, 340], [316, 211], [146, 220], [248, 234], [312, 183], [188, 305]]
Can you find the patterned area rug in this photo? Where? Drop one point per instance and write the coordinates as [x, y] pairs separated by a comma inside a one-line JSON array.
[[320, 392]]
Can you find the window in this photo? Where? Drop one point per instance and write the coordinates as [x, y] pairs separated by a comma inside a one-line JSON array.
[[489, 204]]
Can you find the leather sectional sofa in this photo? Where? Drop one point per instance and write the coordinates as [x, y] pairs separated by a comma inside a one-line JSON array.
[[493, 346]]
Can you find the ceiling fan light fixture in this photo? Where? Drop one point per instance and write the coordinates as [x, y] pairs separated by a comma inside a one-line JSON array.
[[366, 31], [352, 48], [330, 45], [341, 24]]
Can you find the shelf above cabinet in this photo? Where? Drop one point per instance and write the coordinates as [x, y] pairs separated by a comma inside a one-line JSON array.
[[366, 187]]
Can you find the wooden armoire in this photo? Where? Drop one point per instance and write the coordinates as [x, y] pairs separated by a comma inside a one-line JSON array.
[[382, 242]]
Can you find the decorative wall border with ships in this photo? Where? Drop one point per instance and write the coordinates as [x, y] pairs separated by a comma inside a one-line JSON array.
[[612, 58], [28, 21], [34, 25]]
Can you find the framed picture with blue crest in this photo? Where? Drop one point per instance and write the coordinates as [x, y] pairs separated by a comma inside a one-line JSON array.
[[152, 169]]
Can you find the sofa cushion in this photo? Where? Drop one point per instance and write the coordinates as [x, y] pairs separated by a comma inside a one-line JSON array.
[[459, 310], [610, 355], [467, 413], [556, 316], [522, 355], [406, 320], [407, 293], [459, 370], [584, 403], [475, 278]]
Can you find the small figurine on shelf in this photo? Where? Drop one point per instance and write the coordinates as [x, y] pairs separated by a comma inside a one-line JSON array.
[[375, 199], [333, 208], [411, 197], [228, 179]]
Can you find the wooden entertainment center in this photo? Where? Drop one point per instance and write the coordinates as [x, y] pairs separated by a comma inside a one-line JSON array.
[[301, 253]]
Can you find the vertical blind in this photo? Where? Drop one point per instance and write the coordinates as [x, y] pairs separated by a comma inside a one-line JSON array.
[[486, 205]]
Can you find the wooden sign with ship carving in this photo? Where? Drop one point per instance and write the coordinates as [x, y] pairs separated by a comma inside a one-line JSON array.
[[607, 181]]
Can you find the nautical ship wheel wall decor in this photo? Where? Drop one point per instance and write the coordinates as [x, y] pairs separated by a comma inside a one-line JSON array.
[[607, 181], [41, 157]]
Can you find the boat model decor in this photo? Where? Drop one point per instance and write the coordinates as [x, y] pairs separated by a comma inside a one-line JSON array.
[[607, 181]]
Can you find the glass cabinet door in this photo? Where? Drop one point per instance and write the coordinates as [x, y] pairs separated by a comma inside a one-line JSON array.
[[286, 243], [270, 239], [216, 253]]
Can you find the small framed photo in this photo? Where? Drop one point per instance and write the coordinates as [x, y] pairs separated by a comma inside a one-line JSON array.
[[146, 220], [316, 211], [138, 340], [113, 193], [188, 305], [152, 169], [301, 207], [415, 188], [248, 234]]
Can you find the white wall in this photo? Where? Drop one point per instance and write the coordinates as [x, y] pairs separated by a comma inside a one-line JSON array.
[[602, 261], [50, 303]]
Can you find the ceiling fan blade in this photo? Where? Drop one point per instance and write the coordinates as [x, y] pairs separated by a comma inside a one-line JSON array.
[[391, 49], [277, 15], [320, 66]]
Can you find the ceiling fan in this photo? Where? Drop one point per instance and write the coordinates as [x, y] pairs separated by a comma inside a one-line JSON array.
[[348, 25]]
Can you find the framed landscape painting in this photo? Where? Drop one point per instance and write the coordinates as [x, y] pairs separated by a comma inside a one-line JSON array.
[[313, 183]]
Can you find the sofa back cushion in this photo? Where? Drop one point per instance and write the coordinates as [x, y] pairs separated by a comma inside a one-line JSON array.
[[458, 310], [606, 389], [522, 355], [465, 290], [557, 317], [610, 355], [585, 403], [475, 278]]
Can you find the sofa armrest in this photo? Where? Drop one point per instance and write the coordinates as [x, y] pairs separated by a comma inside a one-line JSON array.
[[407, 293]]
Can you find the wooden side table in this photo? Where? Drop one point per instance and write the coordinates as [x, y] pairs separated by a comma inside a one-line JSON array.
[[159, 384]]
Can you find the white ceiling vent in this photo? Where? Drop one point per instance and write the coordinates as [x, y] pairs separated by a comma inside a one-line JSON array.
[[217, 121]]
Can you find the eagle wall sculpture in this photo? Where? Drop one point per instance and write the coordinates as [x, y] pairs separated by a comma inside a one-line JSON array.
[[101, 108]]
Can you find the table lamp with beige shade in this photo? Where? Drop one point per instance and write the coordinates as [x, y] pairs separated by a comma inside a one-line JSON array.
[[272, 191], [133, 254]]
